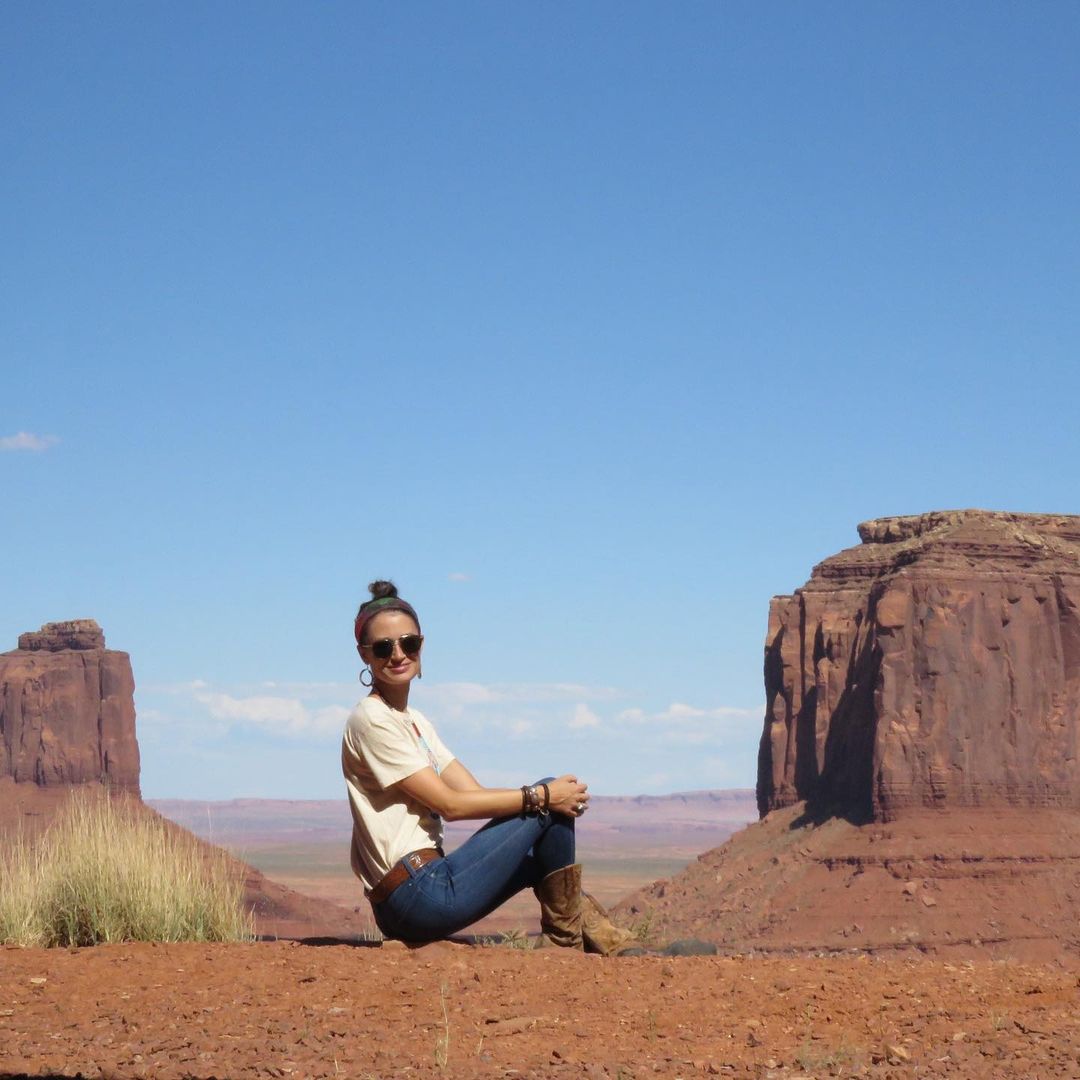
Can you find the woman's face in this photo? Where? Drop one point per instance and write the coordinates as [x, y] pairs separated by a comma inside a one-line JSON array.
[[398, 669]]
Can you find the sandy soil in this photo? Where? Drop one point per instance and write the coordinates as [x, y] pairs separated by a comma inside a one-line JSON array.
[[302, 1010]]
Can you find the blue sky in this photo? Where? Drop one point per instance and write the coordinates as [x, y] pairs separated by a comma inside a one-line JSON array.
[[594, 326]]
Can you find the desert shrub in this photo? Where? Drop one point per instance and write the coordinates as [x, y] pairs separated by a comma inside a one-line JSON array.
[[515, 939], [109, 870], [643, 929], [508, 939], [18, 868]]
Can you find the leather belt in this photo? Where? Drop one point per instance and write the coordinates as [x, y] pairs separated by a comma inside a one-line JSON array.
[[399, 873]]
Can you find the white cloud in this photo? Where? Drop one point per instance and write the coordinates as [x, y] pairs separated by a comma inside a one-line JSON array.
[[188, 687], [679, 714], [283, 715], [27, 440], [313, 689], [457, 575], [457, 694], [475, 718], [678, 711], [567, 691], [690, 725], [492, 702], [484, 712], [263, 709], [583, 717]]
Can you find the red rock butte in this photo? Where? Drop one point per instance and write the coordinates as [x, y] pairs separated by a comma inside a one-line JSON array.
[[67, 711], [937, 665], [918, 780]]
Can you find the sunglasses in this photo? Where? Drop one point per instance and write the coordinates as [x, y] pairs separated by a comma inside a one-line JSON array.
[[410, 644]]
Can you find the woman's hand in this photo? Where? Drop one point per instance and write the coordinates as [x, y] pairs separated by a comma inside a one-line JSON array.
[[568, 796]]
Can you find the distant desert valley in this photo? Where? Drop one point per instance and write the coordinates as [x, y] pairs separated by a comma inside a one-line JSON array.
[[624, 843]]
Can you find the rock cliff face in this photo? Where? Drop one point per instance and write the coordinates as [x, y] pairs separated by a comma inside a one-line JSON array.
[[67, 710], [935, 665]]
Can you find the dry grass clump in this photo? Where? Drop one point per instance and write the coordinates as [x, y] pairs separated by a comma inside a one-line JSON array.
[[109, 870]]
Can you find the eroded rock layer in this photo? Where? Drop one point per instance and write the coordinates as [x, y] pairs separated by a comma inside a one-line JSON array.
[[970, 882], [67, 710], [937, 664]]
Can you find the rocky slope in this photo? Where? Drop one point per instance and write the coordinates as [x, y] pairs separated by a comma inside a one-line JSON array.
[[972, 882], [67, 714], [935, 665]]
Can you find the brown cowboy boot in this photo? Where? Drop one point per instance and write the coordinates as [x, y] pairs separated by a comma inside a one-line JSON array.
[[601, 935], [560, 908]]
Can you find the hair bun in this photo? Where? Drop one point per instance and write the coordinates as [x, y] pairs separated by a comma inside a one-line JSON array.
[[381, 589]]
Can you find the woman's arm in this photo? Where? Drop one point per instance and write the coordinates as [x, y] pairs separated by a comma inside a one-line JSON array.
[[455, 804], [459, 778]]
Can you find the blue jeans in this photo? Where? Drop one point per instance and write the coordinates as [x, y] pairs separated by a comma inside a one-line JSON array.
[[505, 856]]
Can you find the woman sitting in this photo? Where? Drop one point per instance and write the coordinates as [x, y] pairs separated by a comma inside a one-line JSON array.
[[403, 783]]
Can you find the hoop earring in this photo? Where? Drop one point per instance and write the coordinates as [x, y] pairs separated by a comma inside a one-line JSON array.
[[371, 677]]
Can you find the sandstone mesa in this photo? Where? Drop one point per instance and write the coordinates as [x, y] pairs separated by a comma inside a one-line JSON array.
[[918, 780], [937, 664], [67, 711]]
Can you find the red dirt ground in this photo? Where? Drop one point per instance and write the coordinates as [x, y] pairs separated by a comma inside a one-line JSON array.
[[930, 1002], [287, 1009]]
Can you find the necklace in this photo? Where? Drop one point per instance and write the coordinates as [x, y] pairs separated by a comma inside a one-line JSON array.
[[413, 728]]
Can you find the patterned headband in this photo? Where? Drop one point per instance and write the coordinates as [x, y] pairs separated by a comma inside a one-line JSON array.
[[376, 607]]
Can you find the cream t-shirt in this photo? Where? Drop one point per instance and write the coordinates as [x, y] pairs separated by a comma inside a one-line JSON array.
[[380, 747]]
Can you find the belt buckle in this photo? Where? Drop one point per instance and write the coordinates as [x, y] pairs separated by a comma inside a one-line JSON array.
[[415, 859]]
